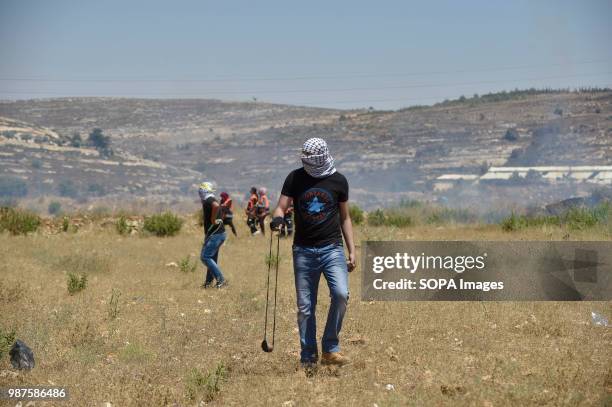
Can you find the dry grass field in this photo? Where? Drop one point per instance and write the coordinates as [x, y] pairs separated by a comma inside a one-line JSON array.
[[143, 333]]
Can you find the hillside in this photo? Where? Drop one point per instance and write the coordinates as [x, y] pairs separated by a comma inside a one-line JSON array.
[[162, 147]]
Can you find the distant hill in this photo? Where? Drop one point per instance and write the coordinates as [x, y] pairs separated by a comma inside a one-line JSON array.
[[163, 147]]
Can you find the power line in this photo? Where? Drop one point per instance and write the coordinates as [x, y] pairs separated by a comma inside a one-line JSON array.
[[294, 78], [328, 90]]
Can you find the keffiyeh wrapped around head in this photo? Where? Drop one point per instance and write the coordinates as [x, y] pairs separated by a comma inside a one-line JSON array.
[[206, 190], [316, 158]]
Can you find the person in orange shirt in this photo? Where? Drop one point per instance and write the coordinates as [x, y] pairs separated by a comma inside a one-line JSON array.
[[250, 211], [226, 211], [262, 209]]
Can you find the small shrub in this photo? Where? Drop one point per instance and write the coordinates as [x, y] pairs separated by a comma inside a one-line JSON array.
[[121, 225], [165, 224], [533, 176], [7, 339], [186, 266], [65, 224], [272, 261], [208, 385], [515, 178], [76, 283], [484, 168], [54, 208], [98, 139], [113, 304], [511, 135], [398, 219], [376, 218], [76, 140], [36, 164], [356, 214], [68, 189], [511, 223], [17, 221], [585, 218]]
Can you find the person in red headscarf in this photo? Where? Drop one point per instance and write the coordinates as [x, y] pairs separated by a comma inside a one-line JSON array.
[[226, 211]]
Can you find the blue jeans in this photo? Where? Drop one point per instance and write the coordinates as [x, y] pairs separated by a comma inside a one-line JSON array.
[[308, 264], [209, 256]]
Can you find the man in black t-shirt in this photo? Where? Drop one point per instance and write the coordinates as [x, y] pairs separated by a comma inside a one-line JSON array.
[[320, 196], [214, 235]]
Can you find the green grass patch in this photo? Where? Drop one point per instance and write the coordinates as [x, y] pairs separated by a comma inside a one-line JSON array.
[[113, 304], [356, 213], [272, 261], [399, 219], [186, 266], [65, 224], [18, 221], [575, 218], [208, 386], [376, 218], [121, 226], [76, 283], [411, 213], [164, 224], [7, 339]]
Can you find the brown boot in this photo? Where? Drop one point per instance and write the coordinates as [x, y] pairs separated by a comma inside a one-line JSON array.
[[334, 358]]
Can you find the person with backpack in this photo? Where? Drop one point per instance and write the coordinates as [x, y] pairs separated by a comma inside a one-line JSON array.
[[320, 195], [226, 211], [214, 236]]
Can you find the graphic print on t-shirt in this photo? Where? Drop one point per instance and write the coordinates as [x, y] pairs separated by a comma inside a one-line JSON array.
[[316, 204]]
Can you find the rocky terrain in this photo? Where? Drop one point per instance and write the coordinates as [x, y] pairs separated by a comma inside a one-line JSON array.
[[160, 148]]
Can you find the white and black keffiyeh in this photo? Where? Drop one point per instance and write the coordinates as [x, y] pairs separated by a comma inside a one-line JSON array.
[[316, 158], [204, 195]]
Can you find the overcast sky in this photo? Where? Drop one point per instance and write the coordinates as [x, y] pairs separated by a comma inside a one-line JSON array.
[[340, 54]]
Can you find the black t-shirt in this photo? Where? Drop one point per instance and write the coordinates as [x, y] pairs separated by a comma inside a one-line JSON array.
[[207, 208], [317, 210]]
